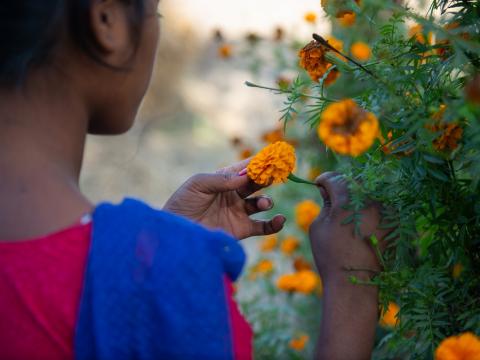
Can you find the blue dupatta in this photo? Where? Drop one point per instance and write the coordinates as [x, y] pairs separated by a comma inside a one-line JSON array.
[[154, 287]]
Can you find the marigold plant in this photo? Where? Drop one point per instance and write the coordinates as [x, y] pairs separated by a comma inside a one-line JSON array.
[[402, 123]]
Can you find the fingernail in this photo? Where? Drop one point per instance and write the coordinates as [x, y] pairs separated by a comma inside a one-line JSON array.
[[243, 172]]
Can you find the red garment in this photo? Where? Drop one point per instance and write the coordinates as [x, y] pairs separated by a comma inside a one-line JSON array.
[[40, 289]]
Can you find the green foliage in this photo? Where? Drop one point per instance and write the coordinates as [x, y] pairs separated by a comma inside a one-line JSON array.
[[430, 196]]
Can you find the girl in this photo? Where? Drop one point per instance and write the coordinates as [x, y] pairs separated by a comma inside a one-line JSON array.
[[126, 281]]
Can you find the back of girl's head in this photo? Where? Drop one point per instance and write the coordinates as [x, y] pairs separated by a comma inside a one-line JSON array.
[[30, 31]]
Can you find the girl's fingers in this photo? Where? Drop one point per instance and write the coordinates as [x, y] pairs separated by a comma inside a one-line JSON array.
[[260, 227], [258, 204]]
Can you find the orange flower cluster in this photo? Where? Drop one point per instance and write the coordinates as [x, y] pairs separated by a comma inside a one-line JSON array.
[[299, 343], [451, 133], [389, 318], [465, 346], [312, 59], [305, 213], [273, 164], [348, 129], [289, 245], [304, 281], [273, 136]]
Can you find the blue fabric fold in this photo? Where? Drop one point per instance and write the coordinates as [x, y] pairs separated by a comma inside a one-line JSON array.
[[154, 287]]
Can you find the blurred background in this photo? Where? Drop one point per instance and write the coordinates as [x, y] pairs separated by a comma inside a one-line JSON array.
[[197, 102]]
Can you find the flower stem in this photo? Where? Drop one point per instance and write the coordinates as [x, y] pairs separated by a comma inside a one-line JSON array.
[[298, 180]]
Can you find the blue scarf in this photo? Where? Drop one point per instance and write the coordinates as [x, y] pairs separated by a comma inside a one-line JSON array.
[[154, 287]]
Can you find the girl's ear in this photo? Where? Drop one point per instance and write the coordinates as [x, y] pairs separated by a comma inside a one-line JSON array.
[[111, 30]]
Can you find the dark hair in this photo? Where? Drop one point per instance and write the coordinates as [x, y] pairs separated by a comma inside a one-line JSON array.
[[30, 29]]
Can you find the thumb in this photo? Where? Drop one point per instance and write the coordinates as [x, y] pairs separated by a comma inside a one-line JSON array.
[[218, 183]]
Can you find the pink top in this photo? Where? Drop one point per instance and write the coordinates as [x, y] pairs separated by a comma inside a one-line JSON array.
[[40, 289]]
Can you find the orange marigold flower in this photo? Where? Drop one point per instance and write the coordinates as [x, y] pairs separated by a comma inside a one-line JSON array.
[[299, 343], [457, 270], [289, 245], [310, 17], [465, 346], [348, 129], [472, 90], [300, 264], [312, 59], [225, 51], [287, 282], [449, 138], [347, 19], [303, 281], [272, 164], [269, 243], [305, 213], [308, 281], [361, 51], [245, 153], [389, 318], [450, 133], [263, 267]]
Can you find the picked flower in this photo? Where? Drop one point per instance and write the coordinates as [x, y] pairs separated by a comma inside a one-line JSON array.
[[361, 51], [348, 129], [390, 317], [461, 347], [299, 343], [305, 213], [273, 164]]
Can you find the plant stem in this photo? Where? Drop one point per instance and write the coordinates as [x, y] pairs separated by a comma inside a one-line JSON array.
[[298, 180]]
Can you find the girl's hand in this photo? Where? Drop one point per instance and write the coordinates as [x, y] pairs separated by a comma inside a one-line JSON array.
[[350, 311], [337, 249], [222, 201]]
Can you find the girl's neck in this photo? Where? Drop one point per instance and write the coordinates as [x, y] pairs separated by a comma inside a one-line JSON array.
[[42, 138]]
